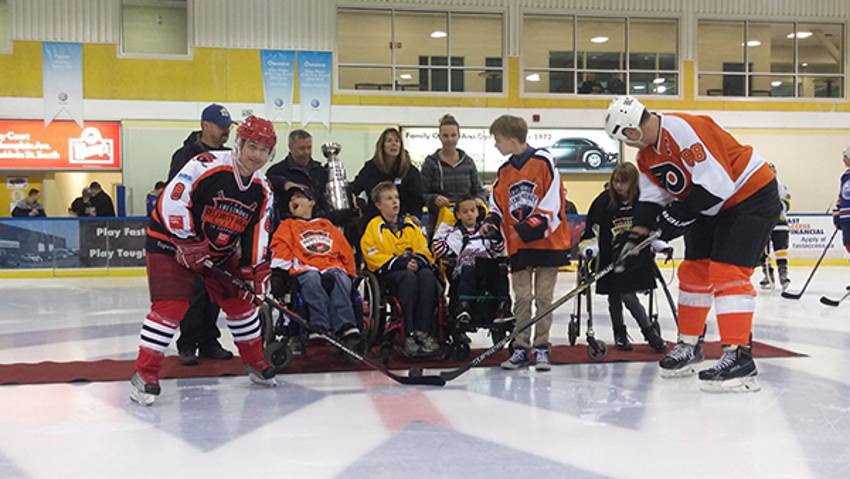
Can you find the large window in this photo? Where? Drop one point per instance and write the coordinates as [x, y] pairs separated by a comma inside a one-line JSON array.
[[401, 50], [600, 56], [5, 38], [761, 59], [155, 27]]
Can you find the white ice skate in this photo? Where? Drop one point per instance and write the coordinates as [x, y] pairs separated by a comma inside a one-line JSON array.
[[141, 392], [259, 377]]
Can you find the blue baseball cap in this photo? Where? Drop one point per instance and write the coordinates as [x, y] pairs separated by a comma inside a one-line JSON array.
[[217, 114]]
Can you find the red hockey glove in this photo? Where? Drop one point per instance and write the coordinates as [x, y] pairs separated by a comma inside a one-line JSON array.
[[191, 254], [257, 277]]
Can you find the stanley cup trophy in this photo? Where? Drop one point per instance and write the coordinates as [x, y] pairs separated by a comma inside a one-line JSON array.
[[337, 188]]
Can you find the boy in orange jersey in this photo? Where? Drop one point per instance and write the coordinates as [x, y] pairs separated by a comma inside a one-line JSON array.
[[696, 180], [317, 255], [527, 207]]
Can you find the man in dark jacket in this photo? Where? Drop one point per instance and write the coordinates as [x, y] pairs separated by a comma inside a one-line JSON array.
[[29, 207], [102, 203], [198, 331], [300, 170]]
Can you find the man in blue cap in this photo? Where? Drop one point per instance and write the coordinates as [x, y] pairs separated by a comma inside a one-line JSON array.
[[198, 330]]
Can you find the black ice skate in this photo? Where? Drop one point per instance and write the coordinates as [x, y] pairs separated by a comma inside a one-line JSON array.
[[735, 371], [768, 281], [783, 278], [679, 362]]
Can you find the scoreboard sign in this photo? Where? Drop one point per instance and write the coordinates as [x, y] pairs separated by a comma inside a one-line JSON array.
[[62, 145]]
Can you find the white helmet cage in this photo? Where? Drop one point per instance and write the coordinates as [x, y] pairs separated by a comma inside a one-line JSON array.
[[623, 112]]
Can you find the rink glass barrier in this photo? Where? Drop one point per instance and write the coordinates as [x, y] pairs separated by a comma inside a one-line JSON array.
[[73, 243]]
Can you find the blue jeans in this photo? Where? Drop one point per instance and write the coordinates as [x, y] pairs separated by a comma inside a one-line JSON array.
[[329, 311]]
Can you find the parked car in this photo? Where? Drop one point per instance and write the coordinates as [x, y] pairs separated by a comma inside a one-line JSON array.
[[31, 258], [581, 152]]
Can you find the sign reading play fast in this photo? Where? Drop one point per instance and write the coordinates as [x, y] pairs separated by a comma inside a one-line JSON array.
[[62, 145]]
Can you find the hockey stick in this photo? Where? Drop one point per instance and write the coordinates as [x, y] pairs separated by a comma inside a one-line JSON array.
[[834, 302], [430, 380], [788, 295], [594, 277]]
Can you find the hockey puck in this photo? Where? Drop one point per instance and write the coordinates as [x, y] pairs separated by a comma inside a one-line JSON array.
[[414, 372]]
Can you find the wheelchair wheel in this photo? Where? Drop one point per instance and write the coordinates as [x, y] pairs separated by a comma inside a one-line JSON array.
[[597, 350], [572, 331], [371, 294], [278, 355], [267, 324]]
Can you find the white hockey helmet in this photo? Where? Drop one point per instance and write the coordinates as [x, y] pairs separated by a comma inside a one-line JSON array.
[[623, 112], [847, 152]]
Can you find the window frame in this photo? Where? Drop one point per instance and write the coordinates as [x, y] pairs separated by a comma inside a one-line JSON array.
[[8, 47], [795, 74], [394, 66], [576, 70], [189, 55]]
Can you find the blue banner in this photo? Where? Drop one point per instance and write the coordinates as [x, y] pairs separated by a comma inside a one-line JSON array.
[[278, 79], [62, 73], [314, 83]]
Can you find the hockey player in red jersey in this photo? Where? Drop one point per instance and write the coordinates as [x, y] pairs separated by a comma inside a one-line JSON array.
[[218, 207], [696, 180]]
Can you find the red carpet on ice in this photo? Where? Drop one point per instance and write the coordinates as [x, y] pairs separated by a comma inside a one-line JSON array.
[[319, 359]]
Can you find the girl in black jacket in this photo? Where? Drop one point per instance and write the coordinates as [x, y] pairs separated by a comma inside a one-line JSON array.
[[390, 163], [609, 215]]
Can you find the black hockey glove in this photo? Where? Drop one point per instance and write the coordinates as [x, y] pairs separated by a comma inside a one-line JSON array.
[[532, 228], [624, 253], [674, 220]]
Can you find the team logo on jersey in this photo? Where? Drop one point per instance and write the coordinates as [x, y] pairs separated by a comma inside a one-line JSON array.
[[175, 222], [316, 241], [226, 216], [205, 157], [177, 192], [671, 176], [845, 190], [521, 199]]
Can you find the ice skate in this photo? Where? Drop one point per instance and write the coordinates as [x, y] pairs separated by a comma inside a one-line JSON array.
[[680, 361], [735, 371], [767, 281], [264, 377], [142, 392], [784, 281]]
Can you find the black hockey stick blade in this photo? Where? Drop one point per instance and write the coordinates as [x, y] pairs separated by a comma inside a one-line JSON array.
[[787, 295], [834, 302], [411, 380], [592, 278]]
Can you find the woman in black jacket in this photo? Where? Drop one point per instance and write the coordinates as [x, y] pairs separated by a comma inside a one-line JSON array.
[[609, 215], [390, 163]]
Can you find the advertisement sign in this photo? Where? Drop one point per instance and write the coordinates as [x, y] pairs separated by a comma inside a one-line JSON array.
[[15, 188], [809, 234], [314, 87], [575, 150], [278, 78], [62, 80], [62, 145]]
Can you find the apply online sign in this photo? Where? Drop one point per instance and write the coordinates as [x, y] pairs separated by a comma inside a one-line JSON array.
[[62, 145]]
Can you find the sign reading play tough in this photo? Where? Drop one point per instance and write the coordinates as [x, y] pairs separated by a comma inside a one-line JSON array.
[[62, 145]]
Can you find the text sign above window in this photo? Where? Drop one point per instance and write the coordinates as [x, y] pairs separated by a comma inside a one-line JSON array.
[[62, 145]]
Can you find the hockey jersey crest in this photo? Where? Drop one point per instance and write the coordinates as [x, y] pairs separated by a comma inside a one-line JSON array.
[[316, 241], [521, 199], [843, 204]]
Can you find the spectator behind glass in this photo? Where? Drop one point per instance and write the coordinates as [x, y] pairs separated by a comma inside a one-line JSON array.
[[29, 206], [103, 205], [82, 205], [150, 200], [391, 163]]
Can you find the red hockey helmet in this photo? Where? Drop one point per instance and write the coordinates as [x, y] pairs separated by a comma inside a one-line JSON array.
[[259, 130]]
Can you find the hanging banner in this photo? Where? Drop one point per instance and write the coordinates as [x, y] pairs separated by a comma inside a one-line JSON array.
[[62, 74], [15, 188], [278, 79], [314, 86], [62, 145]]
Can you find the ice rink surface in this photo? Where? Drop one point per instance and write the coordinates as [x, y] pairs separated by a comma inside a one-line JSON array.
[[616, 420]]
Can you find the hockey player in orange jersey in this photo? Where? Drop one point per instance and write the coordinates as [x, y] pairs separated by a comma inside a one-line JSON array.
[[696, 180]]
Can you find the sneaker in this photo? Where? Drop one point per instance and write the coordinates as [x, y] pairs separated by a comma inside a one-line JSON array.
[[463, 318], [679, 362], [735, 371], [214, 350], [296, 345], [411, 347], [428, 344], [143, 392], [541, 359], [621, 340], [188, 357], [262, 375], [519, 359], [503, 313], [346, 331]]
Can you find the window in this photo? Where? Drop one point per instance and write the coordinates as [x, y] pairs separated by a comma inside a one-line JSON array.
[[155, 27], [760, 59], [5, 38], [402, 50], [594, 55]]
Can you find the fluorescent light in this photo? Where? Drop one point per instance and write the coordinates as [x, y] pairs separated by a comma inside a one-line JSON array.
[[439, 34], [533, 77], [805, 64], [598, 39], [799, 35], [776, 83], [658, 81], [752, 43], [661, 89], [638, 87], [406, 76]]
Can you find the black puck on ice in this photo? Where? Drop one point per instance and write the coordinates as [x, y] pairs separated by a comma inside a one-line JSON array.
[[415, 372]]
